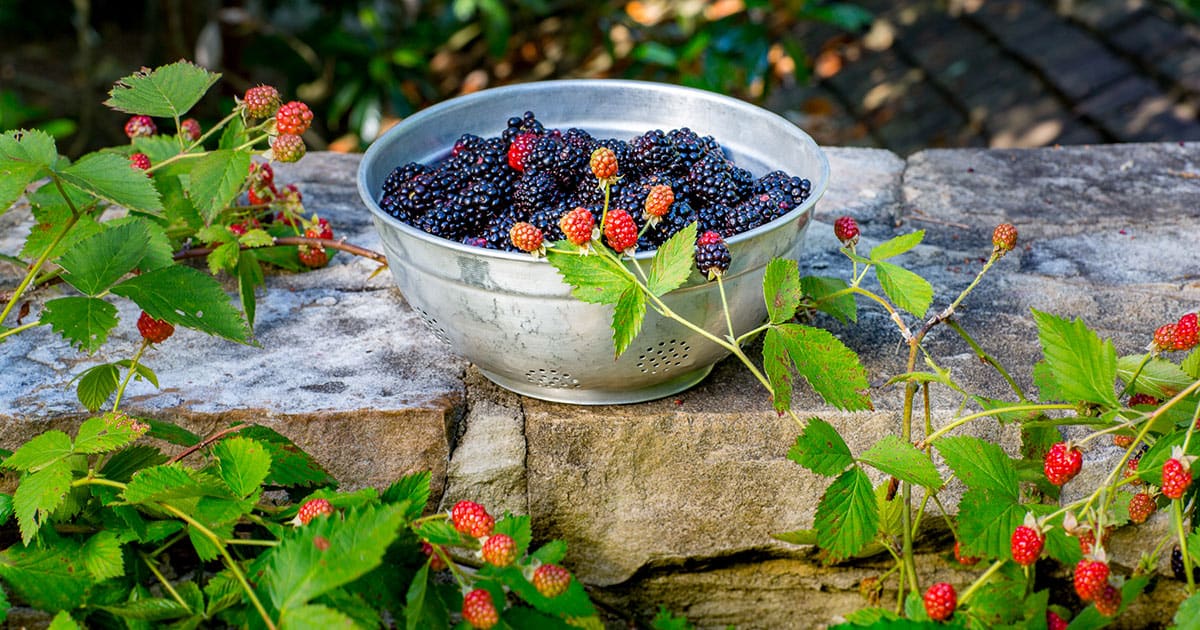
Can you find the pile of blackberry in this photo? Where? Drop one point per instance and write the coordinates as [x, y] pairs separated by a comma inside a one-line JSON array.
[[480, 190]]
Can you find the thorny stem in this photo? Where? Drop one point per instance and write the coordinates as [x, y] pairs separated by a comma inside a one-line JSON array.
[[166, 584], [200, 252], [132, 370], [208, 441], [229, 561]]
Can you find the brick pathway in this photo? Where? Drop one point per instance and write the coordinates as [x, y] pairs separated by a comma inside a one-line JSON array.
[[1002, 73]]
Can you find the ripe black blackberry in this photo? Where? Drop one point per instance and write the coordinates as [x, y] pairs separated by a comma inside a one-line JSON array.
[[1178, 569], [496, 232], [535, 190], [654, 153], [751, 213], [462, 214], [402, 174], [566, 161], [519, 125], [710, 181], [546, 220], [743, 180], [797, 189], [715, 218], [690, 147], [415, 197], [712, 255], [486, 160], [679, 216]]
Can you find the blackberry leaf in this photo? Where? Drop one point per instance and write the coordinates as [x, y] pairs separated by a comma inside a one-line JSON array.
[[215, 180], [185, 296], [84, 321], [902, 460], [821, 449], [832, 369], [897, 245], [96, 262], [38, 496], [1083, 366], [847, 517], [672, 262], [243, 464], [905, 288], [108, 176], [167, 91], [628, 314], [980, 465], [782, 289]]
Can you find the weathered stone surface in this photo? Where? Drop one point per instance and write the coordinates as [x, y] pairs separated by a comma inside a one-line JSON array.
[[342, 364]]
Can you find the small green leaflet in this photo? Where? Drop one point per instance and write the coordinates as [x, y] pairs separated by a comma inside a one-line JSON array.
[[96, 262], [591, 277], [519, 528], [1159, 378], [908, 290], [798, 537], [423, 609], [847, 517], [39, 452], [250, 275], [149, 609], [986, 521], [224, 257], [53, 215], [256, 238], [832, 369], [315, 617], [24, 157], [896, 246], [1191, 364], [821, 449], [49, 578], [63, 621], [103, 434], [96, 384], [1188, 615], [166, 92], [182, 295], [1082, 366], [552, 552], [108, 176], [628, 315], [38, 495], [413, 489], [162, 483], [6, 510], [243, 464], [672, 263], [102, 556], [83, 321], [980, 464], [891, 514], [902, 460], [215, 180], [842, 307], [782, 289], [290, 465]]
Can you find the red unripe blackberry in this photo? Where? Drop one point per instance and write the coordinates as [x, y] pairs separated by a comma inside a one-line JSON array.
[[551, 580], [288, 148], [312, 509], [525, 237], [140, 127], [319, 228], [261, 101], [846, 230], [577, 226], [139, 161], [1123, 441], [603, 163], [964, 560], [1004, 238], [313, 256], [190, 129], [659, 200], [940, 601], [1026, 545], [1091, 576], [519, 150], [1164, 337], [1187, 332], [620, 230], [154, 330], [436, 562], [1062, 463], [293, 118], [499, 550], [1108, 601], [479, 611], [1175, 478], [1141, 507], [1054, 622], [712, 255], [472, 519], [1143, 399]]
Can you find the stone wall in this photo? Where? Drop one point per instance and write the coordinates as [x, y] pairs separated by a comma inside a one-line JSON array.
[[673, 501]]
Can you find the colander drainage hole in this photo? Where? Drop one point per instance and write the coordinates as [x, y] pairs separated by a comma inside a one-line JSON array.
[[434, 327], [552, 378], [663, 356]]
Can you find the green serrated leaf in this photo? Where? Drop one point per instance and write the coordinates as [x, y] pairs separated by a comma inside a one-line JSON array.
[[63, 621], [95, 263], [552, 552], [243, 464], [902, 460], [819, 289], [986, 521], [413, 489], [102, 556], [782, 289], [591, 277], [215, 180], [1158, 378], [108, 176], [159, 252], [439, 533], [847, 516], [572, 603], [1083, 367], [150, 609], [891, 515], [48, 578], [905, 288], [53, 217], [896, 246], [166, 92], [302, 570], [170, 432], [224, 258], [290, 465], [628, 315], [177, 208], [158, 147], [519, 528], [672, 263], [39, 452], [39, 495], [141, 371], [821, 449], [424, 609], [1187, 617], [83, 321], [121, 466], [162, 483], [106, 433], [6, 512], [96, 384], [250, 276], [1191, 364], [797, 537], [256, 238], [980, 464], [832, 369], [25, 156], [315, 617], [185, 296]]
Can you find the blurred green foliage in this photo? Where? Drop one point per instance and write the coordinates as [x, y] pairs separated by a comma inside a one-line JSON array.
[[363, 63]]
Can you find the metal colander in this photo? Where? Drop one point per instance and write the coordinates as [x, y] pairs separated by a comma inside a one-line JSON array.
[[513, 316]]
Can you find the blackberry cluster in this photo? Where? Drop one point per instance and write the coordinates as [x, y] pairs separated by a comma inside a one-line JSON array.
[[474, 195]]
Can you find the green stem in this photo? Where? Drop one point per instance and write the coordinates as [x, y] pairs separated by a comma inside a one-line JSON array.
[[740, 340], [229, 561], [966, 596], [1136, 373], [167, 545], [97, 481], [450, 564], [1177, 509], [971, 287], [725, 307], [425, 519], [991, 412], [175, 158], [165, 583], [221, 123], [13, 331], [37, 266], [250, 143], [984, 356], [132, 369], [252, 542]]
